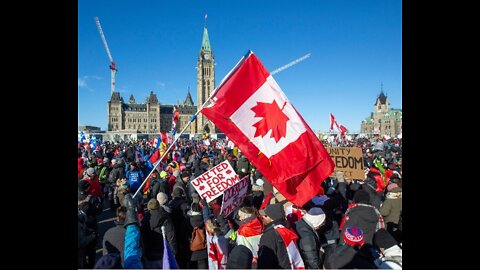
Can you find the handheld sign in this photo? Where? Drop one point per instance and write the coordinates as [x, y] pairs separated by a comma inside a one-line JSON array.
[[234, 196], [214, 182], [348, 160]]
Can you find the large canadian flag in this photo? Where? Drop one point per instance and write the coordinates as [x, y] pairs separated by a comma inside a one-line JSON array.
[[252, 110]]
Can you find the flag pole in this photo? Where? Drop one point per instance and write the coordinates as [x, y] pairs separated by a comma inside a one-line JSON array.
[[193, 117]]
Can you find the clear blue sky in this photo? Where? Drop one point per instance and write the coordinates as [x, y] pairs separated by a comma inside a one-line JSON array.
[[355, 46]]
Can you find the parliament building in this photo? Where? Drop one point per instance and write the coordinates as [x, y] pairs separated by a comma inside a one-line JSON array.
[[154, 117]]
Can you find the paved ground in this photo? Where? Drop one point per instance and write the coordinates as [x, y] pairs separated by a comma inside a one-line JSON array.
[[105, 222]]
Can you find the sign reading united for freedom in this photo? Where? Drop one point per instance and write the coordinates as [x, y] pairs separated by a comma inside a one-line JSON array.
[[348, 160], [234, 196], [214, 182]]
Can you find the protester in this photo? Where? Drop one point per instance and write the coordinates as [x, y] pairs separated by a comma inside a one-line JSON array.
[[114, 238]]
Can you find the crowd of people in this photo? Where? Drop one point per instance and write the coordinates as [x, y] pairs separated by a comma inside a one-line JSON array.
[[350, 223]]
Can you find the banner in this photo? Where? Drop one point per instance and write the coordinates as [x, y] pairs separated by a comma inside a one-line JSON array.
[[348, 160], [234, 196], [214, 182]]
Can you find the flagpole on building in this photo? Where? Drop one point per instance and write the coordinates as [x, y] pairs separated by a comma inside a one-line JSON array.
[[208, 99]]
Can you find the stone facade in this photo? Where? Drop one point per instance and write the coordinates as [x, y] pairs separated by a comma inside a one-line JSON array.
[[383, 120], [153, 117]]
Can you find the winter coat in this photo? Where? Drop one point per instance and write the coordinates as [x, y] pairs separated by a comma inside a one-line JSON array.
[[181, 222], [347, 257], [114, 240], [240, 258], [132, 248], [272, 252], [151, 229], [95, 187], [85, 238], [308, 244], [392, 206], [243, 165], [92, 207], [196, 220], [117, 172]]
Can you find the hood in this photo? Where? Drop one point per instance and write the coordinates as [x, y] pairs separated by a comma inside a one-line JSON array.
[[394, 251]]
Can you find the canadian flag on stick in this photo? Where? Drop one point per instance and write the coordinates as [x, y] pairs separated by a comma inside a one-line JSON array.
[[252, 110]]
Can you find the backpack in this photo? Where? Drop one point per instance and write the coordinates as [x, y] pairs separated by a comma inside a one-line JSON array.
[[198, 241]]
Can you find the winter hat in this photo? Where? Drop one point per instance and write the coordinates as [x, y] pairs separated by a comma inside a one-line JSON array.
[[274, 211], [176, 173], [383, 239], [83, 185], [353, 236], [315, 216], [106, 160], [361, 196], [163, 174], [240, 258], [259, 182], [99, 161], [153, 204], [90, 172], [162, 198]]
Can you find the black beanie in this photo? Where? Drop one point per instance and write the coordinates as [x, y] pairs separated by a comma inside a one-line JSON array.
[[361, 196], [383, 239]]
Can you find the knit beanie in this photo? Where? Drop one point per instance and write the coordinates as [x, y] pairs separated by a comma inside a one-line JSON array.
[[162, 198], [315, 216]]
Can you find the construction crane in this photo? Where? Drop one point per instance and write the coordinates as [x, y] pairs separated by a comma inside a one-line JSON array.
[[113, 68]]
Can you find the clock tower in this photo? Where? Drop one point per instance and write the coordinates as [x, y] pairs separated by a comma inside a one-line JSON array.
[[205, 82]]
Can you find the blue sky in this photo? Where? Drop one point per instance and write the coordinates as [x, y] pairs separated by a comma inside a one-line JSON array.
[[355, 46]]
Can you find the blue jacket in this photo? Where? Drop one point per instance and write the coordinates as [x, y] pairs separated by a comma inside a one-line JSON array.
[[132, 250]]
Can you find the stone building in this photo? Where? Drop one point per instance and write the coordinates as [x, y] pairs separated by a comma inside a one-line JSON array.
[[153, 117], [383, 120]]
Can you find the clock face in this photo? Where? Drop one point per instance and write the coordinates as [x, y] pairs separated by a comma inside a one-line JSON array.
[[206, 56]]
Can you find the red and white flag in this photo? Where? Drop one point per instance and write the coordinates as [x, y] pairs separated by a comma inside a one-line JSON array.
[[289, 238], [332, 121], [217, 249], [252, 110]]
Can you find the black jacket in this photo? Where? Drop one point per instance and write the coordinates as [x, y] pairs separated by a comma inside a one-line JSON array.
[[114, 239], [272, 252], [151, 229], [348, 257], [181, 222], [308, 244]]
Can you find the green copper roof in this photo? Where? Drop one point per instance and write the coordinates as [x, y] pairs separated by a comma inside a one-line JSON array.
[[206, 41]]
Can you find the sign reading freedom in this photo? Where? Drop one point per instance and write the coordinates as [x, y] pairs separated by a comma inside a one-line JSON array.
[[348, 160], [214, 182], [234, 196]]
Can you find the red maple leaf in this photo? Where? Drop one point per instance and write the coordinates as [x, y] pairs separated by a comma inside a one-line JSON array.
[[201, 188], [273, 119], [228, 172]]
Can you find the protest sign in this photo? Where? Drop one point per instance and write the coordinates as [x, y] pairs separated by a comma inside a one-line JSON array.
[[348, 160], [234, 196], [214, 182]]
